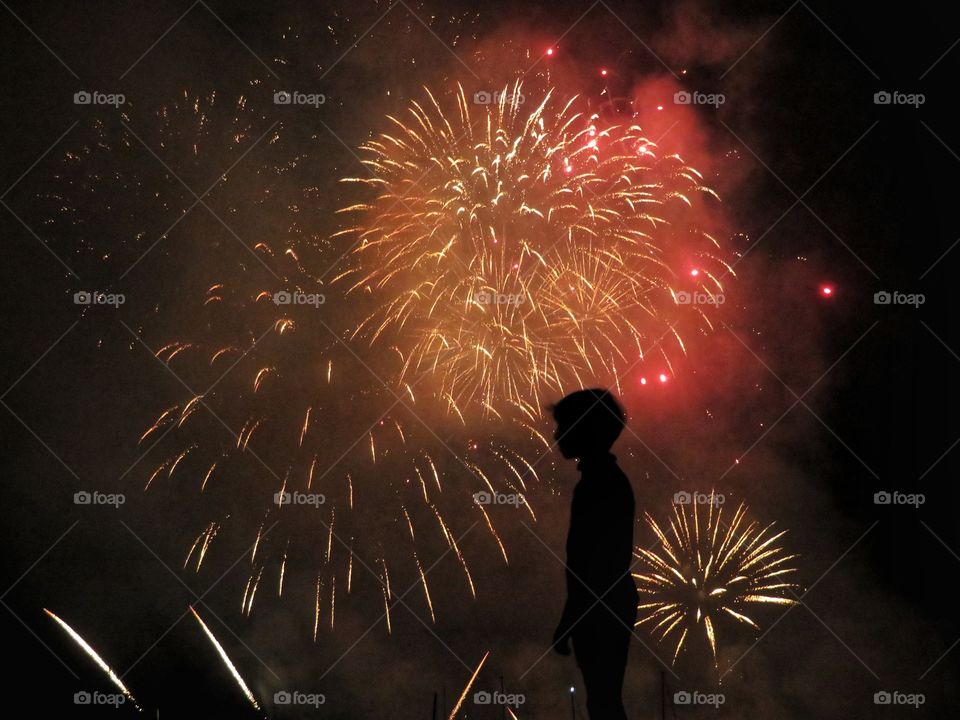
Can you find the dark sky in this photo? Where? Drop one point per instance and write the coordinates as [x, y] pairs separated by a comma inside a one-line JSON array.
[[833, 188]]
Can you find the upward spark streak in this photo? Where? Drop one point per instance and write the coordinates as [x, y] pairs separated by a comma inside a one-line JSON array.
[[101, 663], [466, 690], [226, 661]]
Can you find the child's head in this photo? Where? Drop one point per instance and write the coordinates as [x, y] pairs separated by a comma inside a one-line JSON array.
[[588, 422]]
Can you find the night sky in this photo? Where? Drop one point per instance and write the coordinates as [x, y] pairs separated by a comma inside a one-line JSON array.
[[810, 396]]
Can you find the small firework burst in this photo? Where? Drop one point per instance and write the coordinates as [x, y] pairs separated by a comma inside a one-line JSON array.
[[706, 568]]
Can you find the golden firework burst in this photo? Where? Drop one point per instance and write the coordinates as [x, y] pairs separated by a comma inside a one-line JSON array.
[[706, 568]]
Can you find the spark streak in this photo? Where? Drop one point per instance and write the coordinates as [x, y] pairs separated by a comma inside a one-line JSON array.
[[93, 655], [226, 661]]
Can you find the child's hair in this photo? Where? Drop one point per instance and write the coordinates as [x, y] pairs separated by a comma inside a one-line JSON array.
[[593, 415]]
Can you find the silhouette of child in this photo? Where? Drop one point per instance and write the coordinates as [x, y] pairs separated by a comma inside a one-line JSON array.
[[601, 604]]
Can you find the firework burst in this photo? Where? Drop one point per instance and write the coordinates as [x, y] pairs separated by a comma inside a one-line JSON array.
[[707, 568], [504, 252], [518, 251]]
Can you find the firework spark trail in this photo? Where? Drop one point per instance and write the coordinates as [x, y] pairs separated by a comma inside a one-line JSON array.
[[466, 690], [101, 663], [226, 661], [316, 610], [706, 569]]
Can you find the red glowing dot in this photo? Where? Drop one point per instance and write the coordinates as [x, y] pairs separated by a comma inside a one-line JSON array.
[[826, 290], [659, 107], [694, 272], [663, 377], [604, 72], [643, 381], [549, 51], [569, 168]]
